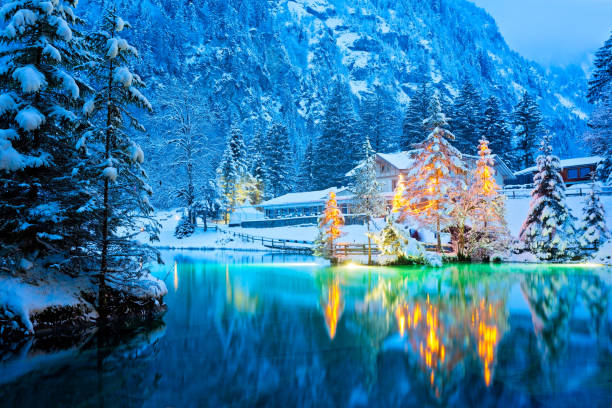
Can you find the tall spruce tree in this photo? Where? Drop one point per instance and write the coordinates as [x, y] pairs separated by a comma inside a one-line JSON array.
[[337, 148], [306, 173], [279, 161], [366, 189], [467, 119], [548, 232], [115, 158], [434, 175], [599, 135], [44, 211], [601, 80], [417, 111], [594, 232], [233, 173], [495, 129], [528, 119], [258, 165], [378, 120]]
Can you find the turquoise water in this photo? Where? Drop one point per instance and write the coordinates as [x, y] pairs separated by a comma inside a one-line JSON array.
[[262, 330]]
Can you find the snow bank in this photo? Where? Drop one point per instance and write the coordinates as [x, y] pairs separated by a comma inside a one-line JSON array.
[[604, 255], [21, 299]]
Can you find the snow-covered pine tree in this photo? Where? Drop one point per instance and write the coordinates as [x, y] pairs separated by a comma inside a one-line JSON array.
[[599, 134], [279, 161], [495, 129], [337, 147], [433, 176], [378, 120], [528, 119], [115, 159], [228, 178], [416, 113], [306, 173], [489, 230], [330, 224], [44, 216], [594, 232], [467, 119], [601, 79], [368, 200], [233, 173], [258, 166], [548, 232]]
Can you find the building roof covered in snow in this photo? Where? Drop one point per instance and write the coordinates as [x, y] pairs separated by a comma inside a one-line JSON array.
[[305, 197], [402, 161], [565, 163]]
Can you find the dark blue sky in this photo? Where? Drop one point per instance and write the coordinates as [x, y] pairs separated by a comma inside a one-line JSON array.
[[552, 31]]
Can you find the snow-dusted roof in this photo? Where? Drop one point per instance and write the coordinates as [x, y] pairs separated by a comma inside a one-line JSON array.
[[301, 198], [400, 160], [403, 161], [575, 162]]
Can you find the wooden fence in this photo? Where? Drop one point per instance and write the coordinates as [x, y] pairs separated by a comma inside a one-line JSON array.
[[274, 243]]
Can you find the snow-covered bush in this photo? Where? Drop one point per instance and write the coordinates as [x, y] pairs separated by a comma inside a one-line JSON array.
[[184, 228], [396, 246], [604, 254]]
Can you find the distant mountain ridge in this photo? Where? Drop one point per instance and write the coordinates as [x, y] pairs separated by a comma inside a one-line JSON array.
[[275, 60]]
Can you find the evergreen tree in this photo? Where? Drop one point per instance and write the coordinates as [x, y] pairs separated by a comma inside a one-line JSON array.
[[337, 147], [258, 166], [279, 162], [433, 176], [601, 80], [528, 119], [417, 111], [228, 177], [115, 159], [378, 121], [549, 231], [306, 173], [44, 201], [467, 119], [233, 174], [599, 134], [594, 230], [495, 129], [368, 200]]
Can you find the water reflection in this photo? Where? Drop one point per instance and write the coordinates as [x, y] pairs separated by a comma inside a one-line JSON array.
[[261, 333]]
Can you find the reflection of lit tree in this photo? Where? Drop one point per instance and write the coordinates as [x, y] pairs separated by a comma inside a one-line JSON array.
[[332, 303], [486, 328]]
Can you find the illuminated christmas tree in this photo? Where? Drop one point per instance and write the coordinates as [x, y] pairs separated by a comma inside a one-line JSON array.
[[330, 223], [489, 221], [433, 176], [399, 202]]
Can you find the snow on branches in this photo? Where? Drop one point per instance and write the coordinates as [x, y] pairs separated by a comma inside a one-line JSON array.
[[548, 232]]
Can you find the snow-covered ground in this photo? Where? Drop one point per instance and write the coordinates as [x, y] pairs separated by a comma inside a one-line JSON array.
[[516, 212]]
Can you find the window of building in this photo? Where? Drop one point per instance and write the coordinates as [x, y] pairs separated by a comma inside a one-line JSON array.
[[572, 174], [393, 185], [585, 172]]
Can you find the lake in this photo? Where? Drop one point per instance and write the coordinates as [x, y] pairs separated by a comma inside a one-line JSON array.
[[248, 329]]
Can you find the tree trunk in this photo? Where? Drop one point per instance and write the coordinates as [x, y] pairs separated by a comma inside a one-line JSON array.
[[106, 216], [438, 234], [369, 244]]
